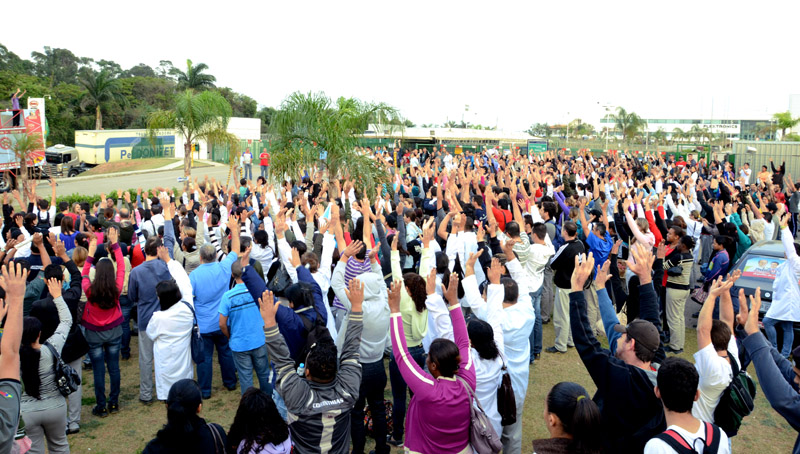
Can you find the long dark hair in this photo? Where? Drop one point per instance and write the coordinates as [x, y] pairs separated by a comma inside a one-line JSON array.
[[444, 353], [443, 267], [579, 416], [481, 336], [257, 423], [104, 292], [29, 356], [178, 434], [415, 287]]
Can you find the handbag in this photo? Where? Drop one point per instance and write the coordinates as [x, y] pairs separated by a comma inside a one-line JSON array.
[[506, 402], [676, 270], [482, 437], [699, 295], [217, 439], [278, 279], [68, 380], [197, 343]]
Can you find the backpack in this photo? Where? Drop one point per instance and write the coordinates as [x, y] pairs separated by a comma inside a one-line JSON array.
[[68, 380], [681, 446], [736, 401], [278, 279], [314, 333]]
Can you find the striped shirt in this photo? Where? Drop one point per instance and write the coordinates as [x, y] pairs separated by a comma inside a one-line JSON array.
[[354, 268]]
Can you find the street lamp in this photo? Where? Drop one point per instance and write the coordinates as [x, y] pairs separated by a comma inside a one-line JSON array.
[[608, 108]]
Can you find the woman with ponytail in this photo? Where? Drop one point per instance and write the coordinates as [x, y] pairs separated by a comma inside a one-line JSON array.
[[43, 407], [102, 321], [573, 420], [185, 430]]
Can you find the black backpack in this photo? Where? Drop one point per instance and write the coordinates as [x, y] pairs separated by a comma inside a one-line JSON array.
[[736, 401], [681, 446], [314, 333]]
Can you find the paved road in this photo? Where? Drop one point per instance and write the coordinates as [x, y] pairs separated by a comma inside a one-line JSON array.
[[168, 178]]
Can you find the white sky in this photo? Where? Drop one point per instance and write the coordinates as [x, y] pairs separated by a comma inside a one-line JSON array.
[[513, 63]]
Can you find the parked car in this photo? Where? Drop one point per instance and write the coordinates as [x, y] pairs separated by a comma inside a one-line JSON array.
[[759, 266]]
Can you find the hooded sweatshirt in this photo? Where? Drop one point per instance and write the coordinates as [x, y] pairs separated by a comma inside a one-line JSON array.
[[375, 334]]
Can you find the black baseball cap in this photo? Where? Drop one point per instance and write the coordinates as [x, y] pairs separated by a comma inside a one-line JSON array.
[[643, 332]]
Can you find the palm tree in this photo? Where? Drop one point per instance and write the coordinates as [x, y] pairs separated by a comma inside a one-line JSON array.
[[194, 78], [678, 134], [696, 132], [101, 89], [629, 123], [784, 121], [307, 124], [22, 146], [660, 136], [201, 116]]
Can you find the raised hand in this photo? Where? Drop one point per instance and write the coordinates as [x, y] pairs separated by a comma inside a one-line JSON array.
[[495, 271], [602, 275], [355, 293], [395, 290], [471, 263], [641, 262], [430, 283], [268, 306], [584, 265], [751, 327], [508, 249], [741, 317], [54, 287], [451, 291], [163, 254]]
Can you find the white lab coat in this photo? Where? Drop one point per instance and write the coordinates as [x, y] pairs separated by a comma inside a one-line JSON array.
[[488, 372], [170, 332], [786, 295]]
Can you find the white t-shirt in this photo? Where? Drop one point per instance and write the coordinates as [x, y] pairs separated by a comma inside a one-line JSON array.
[[715, 375], [696, 439], [745, 173]]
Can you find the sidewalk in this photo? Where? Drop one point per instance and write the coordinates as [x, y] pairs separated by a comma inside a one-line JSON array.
[[172, 166]]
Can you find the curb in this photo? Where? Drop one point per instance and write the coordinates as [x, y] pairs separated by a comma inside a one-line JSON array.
[[134, 172]]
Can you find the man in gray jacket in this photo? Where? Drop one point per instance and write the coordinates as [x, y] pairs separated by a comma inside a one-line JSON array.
[[320, 401]]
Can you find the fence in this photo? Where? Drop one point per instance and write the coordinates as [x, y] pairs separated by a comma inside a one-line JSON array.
[[761, 152], [222, 152]]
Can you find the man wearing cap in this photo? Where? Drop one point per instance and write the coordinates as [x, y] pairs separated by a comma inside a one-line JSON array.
[[630, 410]]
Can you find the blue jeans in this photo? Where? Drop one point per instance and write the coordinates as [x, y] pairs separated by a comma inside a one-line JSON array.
[[249, 361], [399, 388], [248, 171], [225, 357], [127, 306], [788, 334], [265, 171], [102, 354], [373, 382], [536, 335]]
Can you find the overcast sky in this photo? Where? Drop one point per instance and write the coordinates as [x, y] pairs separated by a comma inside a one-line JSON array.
[[513, 63]]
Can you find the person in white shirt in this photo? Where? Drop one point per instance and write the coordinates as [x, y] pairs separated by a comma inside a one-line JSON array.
[[716, 349], [745, 173], [677, 389], [517, 323], [150, 227], [170, 328]]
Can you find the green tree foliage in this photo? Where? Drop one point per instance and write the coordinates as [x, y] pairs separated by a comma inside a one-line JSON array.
[[539, 129], [101, 89], [22, 146], [196, 116], [266, 114], [195, 77], [628, 123], [61, 78], [309, 123], [784, 121]]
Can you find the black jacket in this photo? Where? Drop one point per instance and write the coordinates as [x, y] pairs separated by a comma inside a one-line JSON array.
[[202, 441], [45, 311], [630, 411], [564, 262]]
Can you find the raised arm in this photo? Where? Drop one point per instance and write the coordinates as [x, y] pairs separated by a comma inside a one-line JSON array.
[[13, 281]]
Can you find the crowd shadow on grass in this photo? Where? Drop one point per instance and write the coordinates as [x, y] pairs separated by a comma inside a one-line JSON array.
[[129, 430]]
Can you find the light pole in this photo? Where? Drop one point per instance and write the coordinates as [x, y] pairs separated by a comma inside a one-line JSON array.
[[608, 110], [568, 131]]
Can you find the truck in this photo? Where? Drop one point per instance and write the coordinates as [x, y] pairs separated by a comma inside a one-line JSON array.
[[95, 147], [13, 126]]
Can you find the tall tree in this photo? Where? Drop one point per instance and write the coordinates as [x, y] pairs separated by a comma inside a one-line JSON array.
[[196, 116], [678, 134], [306, 124], [628, 123], [59, 65], [266, 114], [784, 121], [195, 78], [101, 89]]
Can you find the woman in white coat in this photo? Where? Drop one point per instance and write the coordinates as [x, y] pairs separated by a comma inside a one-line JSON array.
[[785, 308], [170, 328]]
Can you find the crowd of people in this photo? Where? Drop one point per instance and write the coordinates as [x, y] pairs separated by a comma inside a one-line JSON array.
[[443, 275]]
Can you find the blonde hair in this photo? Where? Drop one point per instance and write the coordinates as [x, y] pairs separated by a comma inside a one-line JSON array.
[[643, 225], [79, 255]]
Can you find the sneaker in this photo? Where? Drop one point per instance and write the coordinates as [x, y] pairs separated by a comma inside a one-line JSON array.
[[537, 355], [100, 412], [231, 388], [669, 349], [126, 357], [206, 396], [394, 442], [553, 349], [73, 430], [113, 408], [146, 403], [545, 320]]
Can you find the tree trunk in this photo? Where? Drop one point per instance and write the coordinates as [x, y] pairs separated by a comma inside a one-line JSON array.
[[22, 180], [187, 163], [98, 124]]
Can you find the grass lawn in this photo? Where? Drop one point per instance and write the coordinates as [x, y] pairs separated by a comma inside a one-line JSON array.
[[128, 165], [130, 429]]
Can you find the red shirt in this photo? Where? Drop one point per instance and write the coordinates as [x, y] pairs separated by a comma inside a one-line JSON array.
[[502, 216], [264, 159]]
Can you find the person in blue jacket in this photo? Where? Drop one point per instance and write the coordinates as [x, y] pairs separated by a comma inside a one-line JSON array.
[[780, 381]]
